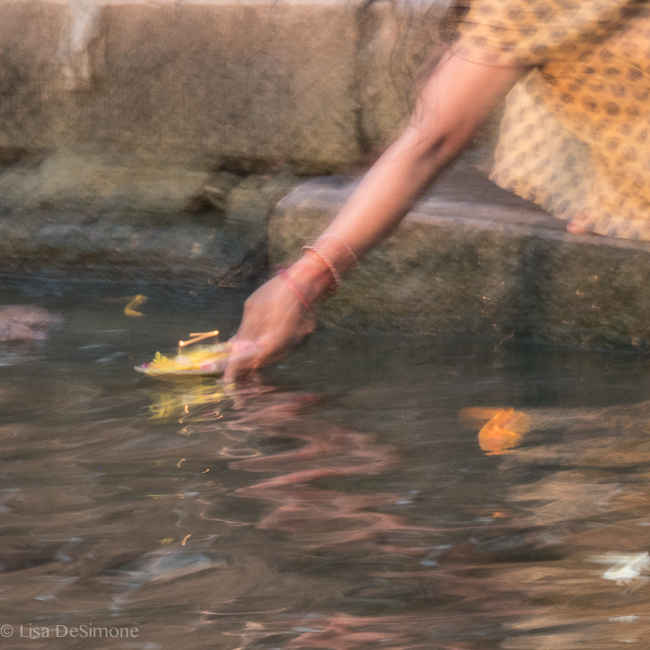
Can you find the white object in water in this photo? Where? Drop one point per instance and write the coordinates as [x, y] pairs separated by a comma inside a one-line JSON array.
[[626, 567]]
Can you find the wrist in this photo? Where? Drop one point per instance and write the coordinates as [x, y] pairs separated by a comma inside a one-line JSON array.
[[310, 278]]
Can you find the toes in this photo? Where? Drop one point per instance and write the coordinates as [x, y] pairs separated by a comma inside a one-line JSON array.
[[575, 229]]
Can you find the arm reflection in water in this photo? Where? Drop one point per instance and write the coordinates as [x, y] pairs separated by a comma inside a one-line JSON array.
[[320, 517]]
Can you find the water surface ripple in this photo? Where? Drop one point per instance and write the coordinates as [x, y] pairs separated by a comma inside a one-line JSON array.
[[340, 503]]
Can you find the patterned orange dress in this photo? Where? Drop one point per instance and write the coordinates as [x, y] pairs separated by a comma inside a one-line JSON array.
[[575, 136]]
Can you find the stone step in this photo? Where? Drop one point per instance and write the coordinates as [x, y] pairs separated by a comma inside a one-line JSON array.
[[128, 219], [472, 258]]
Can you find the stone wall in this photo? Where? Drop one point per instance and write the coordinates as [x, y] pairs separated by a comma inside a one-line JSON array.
[[210, 83], [160, 135], [132, 112]]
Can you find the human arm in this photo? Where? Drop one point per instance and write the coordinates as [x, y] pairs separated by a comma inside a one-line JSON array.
[[454, 102]]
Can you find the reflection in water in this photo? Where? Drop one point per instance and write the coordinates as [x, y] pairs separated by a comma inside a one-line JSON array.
[[626, 568], [177, 402], [270, 518], [393, 554]]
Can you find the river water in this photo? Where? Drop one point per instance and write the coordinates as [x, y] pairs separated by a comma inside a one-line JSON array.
[[340, 503]]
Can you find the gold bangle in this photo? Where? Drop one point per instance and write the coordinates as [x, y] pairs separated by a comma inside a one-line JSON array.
[[351, 254], [328, 263]]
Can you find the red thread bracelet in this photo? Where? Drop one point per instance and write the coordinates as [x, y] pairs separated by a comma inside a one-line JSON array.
[[289, 282]]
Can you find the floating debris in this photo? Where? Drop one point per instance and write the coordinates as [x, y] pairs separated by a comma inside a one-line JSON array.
[[503, 431], [132, 303], [26, 323], [136, 301]]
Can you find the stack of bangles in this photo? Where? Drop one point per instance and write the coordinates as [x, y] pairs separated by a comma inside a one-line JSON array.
[[328, 268]]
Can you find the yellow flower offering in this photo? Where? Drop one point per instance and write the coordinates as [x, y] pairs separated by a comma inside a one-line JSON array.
[[200, 361]]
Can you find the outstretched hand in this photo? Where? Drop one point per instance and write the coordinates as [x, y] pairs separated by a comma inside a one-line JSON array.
[[274, 323]]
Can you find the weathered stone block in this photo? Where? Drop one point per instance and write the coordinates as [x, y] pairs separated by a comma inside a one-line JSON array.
[[91, 212], [197, 81], [317, 84], [472, 258], [98, 184], [111, 248]]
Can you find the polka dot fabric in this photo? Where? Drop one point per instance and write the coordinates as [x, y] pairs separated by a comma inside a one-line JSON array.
[[575, 136]]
